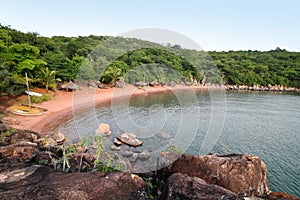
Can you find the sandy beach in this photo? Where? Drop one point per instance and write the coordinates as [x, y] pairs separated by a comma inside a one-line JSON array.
[[63, 103]]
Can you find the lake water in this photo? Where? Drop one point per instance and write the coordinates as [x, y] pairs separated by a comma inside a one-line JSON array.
[[263, 124]]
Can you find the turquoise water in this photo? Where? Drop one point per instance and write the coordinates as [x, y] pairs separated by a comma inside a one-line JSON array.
[[263, 124]]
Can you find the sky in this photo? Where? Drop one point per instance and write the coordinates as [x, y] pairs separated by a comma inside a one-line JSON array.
[[220, 25]]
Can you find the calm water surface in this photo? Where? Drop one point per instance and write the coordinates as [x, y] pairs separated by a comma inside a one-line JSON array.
[[263, 124]]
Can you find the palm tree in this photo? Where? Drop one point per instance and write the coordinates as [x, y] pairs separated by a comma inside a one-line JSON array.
[[48, 77]]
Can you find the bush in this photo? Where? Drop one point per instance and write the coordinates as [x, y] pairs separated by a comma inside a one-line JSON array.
[[44, 97]]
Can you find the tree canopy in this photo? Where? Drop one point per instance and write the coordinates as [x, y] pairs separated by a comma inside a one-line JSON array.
[[134, 60]]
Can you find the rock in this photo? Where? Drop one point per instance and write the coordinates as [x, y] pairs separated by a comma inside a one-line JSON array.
[[130, 139], [140, 84], [165, 135], [181, 186], [92, 84], [49, 142], [145, 155], [24, 135], [43, 183], [22, 151], [154, 83], [126, 153], [171, 84], [117, 142], [278, 196], [134, 157], [59, 138], [3, 127], [103, 130], [120, 84], [238, 173], [101, 85], [114, 147], [14, 175]]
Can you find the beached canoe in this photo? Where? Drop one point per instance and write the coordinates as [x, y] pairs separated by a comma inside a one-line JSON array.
[[25, 110]]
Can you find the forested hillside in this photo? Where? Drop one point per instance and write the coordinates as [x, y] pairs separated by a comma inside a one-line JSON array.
[[69, 58]]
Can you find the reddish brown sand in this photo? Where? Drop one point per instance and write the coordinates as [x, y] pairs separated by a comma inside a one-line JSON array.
[[62, 104]]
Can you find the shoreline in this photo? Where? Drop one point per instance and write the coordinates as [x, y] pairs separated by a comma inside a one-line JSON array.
[[64, 103]]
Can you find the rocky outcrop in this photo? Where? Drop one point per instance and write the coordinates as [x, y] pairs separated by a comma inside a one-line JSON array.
[[181, 186], [140, 84], [37, 182], [97, 84], [120, 84], [269, 88], [189, 177], [239, 173]]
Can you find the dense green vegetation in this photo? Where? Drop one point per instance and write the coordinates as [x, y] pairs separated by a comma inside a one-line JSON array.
[[276, 67], [47, 60]]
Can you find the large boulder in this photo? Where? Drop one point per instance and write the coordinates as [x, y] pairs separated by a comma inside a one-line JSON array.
[[103, 130], [181, 186], [239, 173], [36, 182], [130, 139], [92, 84]]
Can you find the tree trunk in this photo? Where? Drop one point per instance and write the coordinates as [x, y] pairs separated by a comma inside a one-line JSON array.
[[47, 88]]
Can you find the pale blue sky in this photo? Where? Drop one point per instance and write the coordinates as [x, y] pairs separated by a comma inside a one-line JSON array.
[[213, 24]]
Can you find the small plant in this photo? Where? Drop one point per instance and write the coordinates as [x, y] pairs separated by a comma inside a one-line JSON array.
[[173, 149], [152, 188], [6, 134], [112, 161], [36, 99]]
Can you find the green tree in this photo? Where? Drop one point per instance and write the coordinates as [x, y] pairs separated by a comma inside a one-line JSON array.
[[48, 77]]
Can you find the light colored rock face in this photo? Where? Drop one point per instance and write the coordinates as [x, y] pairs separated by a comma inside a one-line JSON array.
[[103, 130], [59, 137], [181, 186], [130, 139], [243, 174]]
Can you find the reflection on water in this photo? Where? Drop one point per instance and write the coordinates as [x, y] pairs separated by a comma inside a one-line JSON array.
[[264, 124]]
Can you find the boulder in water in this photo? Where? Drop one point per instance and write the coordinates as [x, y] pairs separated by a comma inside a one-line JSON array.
[[145, 155], [130, 139], [103, 130]]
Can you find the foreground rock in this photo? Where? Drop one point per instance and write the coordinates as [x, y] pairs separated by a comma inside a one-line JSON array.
[[189, 177], [36, 182], [241, 174], [181, 186]]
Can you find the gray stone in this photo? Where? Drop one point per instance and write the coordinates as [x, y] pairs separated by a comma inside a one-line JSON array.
[[181, 186], [43, 184], [238, 173], [145, 155]]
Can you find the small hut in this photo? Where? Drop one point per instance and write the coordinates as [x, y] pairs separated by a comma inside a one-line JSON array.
[[70, 86]]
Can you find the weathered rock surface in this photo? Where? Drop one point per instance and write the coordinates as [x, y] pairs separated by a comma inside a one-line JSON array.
[[120, 84], [130, 139], [140, 84], [43, 183], [154, 83], [181, 186], [239, 173], [103, 130]]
